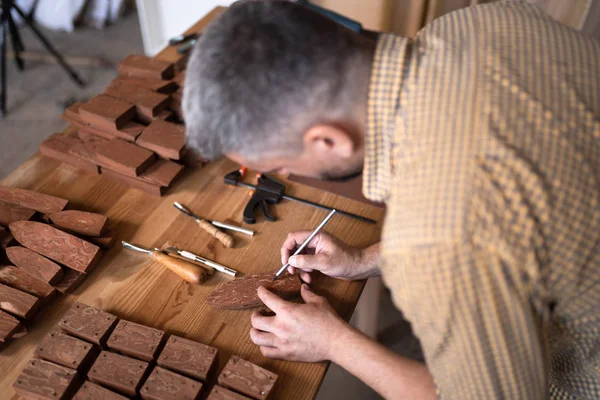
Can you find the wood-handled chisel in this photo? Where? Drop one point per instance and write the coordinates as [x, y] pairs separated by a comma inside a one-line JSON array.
[[196, 258]]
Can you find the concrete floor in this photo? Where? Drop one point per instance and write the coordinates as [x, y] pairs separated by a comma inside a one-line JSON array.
[[35, 99]]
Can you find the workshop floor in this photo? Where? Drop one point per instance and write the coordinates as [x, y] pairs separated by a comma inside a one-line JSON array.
[[35, 99]]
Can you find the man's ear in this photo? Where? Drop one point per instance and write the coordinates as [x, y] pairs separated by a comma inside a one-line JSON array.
[[325, 138]]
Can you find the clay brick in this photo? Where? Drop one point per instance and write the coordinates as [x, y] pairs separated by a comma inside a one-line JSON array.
[[247, 378], [163, 384], [146, 67], [188, 357], [133, 182], [147, 103], [125, 158], [9, 325], [164, 115], [18, 303], [220, 393], [106, 112], [161, 173], [60, 147], [12, 212], [57, 245], [91, 391], [35, 264], [21, 280], [130, 131], [117, 372], [67, 351], [88, 323], [81, 222], [164, 138], [43, 203], [156, 85], [44, 380], [136, 340], [70, 281]]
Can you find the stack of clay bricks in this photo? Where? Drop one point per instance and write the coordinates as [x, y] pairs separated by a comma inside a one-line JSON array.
[[44, 250], [133, 132], [94, 355]]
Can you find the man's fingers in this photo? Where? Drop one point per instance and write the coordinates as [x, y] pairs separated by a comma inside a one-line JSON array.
[[274, 302], [305, 276], [263, 338], [262, 322], [293, 241], [308, 295], [271, 352], [307, 262]]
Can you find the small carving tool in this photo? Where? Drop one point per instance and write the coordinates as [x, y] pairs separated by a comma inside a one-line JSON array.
[[306, 242], [194, 257], [187, 271]]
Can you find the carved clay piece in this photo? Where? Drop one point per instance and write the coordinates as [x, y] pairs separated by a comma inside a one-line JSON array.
[[135, 340], [81, 222], [35, 264], [220, 393], [44, 380], [163, 384], [187, 357], [164, 138], [29, 199], [67, 351], [91, 391], [88, 323], [12, 212], [247, 378], [18, 303], [21, 280], [117, 372]]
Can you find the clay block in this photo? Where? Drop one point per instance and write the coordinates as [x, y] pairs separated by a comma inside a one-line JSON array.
[[164, 115], [11, 213], [146, 67], [135, 340], [61, 147], [156, 85], [106, 112], [70, 281], [220, 393], [125, 158], [241, 293], [163, 384], [35, 264], [57, 245], [107, 241], [117, 372], [9, 325], [161, 173], [91, 391], [187, 357], [43, 203], [44, 380], [130, 131], [21, 280], [164, 138], [72, 112], [67, 351], [88, 323], [18, 303], [133, 182], [147, 103], [247, 378], [81, 222], [87, 147]]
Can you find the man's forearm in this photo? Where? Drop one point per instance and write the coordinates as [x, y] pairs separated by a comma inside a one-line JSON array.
[[370, 258]]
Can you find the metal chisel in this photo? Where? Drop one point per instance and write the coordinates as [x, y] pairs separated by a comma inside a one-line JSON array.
[[194, 257]]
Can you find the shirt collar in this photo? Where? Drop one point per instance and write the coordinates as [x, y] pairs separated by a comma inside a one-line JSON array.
[[383, 103]]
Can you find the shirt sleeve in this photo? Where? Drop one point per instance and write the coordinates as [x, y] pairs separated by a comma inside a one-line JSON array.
[[478, 325]]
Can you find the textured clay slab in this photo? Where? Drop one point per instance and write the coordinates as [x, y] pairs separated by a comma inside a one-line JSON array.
[[9, 325], [125, 158], [91, 391], [156, 85], [146, 67], [35, 264], [88, 323], [247, 378], [29, 199], [150, 188], [67, 351], [18, 303], [163, 384], [57, 245], [21, 280], [220, 393], [70, 281], [12, 213], [81, 222], [164, 138], [61, 148], [118, 372], [44, 380], [106, 112], [241, 293], [161, 173], [187, 357], [147, 103], [135, 340]]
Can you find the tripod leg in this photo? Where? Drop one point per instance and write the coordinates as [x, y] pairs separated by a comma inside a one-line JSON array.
[[51, 49], [17, 44], [3, 55]]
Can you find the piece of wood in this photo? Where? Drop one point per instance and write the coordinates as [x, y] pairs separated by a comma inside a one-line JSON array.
[[17, 303], [156, 85], [91, 391], [161, 173], [44, 380], [62, 148], [220, 393], [21, 280], [117, 372], [6, 240], [163, 384], [81, 222], [11, 213], [247, 378], [146, 68], [147, 103], [139, 184], [70, 281], [186, 270], [179, 78], [130, 131], [241, 293], [107, 241], [57, 245], [164, 138], [88, 323], [107, 112], [67, 351], [125, 158], [9, 325], [35, 264], [29, 199], [135, 340], [175, 104], [188, 357]]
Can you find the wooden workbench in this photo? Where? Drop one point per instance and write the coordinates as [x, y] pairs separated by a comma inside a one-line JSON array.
[[129, 285]]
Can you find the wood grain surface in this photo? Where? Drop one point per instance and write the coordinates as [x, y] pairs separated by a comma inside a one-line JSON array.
[[35, 264], [19, 279], [163, 384], [8, 326], [12, 212], [81, 222], [31, 199], [17, 303], [136, 289]]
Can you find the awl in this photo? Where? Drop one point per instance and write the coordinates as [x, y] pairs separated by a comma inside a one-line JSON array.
[[194, 257], [187, 271]]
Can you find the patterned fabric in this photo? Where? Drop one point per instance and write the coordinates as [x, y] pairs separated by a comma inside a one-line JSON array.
[[484, 143]]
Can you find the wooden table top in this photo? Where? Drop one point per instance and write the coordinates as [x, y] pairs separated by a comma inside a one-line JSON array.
[[132, 287]]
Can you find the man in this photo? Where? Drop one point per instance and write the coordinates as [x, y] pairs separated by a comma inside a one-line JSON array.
[[482, 135]]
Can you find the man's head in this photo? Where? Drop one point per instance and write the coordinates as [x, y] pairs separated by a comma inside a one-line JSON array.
[[275, 86]]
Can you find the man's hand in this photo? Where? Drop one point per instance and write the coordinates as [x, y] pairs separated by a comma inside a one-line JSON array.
[[298, 332]]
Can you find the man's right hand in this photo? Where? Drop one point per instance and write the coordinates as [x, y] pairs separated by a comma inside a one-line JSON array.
[[329, 255]]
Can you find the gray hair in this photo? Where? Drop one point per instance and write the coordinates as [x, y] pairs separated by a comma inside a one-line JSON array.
[[262, 73]]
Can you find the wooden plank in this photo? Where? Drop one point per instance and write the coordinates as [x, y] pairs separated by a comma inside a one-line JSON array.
[[164, 138], [30, 199], [21, 280], [124, 157], [12, 212], [9, 325], [146, 68], [106, 112], [35, 264], [18, 303], [81, 222]]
